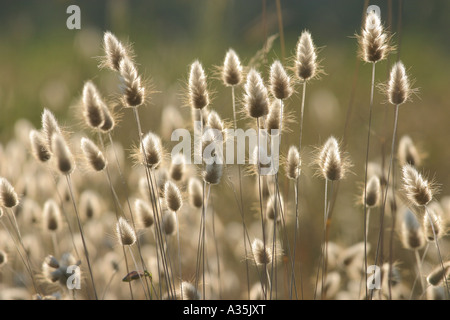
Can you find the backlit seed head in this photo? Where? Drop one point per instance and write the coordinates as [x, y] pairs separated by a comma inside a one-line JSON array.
[[64, 159], [398, 89], [93, 155], [198, 89], [417, 189], [172, 196], [125, 233], [39, 146], [373, 191], [195, 191], [151, 152], [177, 167], [271, 210], [433, 225], [92, 105], [144, 213], [8, 196], [261, 255], [256, 100], [293, 163], [232, 69], [306, 58], [412, 235], [280, 82], [51, 214], [332, 163], [90, 205], [408, 153], [273, 120], [169, 222], [50, 126], [109, 120], [133, 90], [190, 292], [115, 51], [374, 41], [438, 274]]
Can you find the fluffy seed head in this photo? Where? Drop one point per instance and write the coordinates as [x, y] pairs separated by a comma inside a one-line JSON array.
[[437, 227], [418, 190], [152, 151], [134, 91], [273, 120], [195, 191], [280, 82], [93, 155], [438, 274], [108, 119], [39, 146], [89, 204], [398, 89], [373, 191], [293, 163], [169, 222], [49, 127], [190, 292], [3, 258], [8, 196], [51, 216], [198, 89], [256, 99], [125, 233], [331, 163], [177, 167], [232, 69], [215, 122], [92, 105], [172, 196], [213, 173], [373, 41], [411, 232], [306, 57], [260, 255], [270, 207], [407, 152], [144, 213], [63, 155], [114, 50]]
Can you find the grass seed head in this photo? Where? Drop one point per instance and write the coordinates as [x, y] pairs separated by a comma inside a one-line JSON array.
[[417, 189], [293, 163], [280, 82], [195, 191], [8, 196], [144, 213], [398, 88], [152, 151], [172, 196], [92, 106], [412, 235], [39, 146], [256, 100], [232, 69], [374, 41], [51, 214], [198, 89], [306, 65], [125, 233], [134, 91], [93, 155]]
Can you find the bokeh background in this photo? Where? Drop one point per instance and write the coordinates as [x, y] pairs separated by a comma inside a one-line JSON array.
[[44, 65]]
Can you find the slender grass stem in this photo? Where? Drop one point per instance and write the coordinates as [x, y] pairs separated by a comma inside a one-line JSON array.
[[365, 172], [380, 236], [86, 253]]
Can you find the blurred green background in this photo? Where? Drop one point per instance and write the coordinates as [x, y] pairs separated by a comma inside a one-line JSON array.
[[44, 65]]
